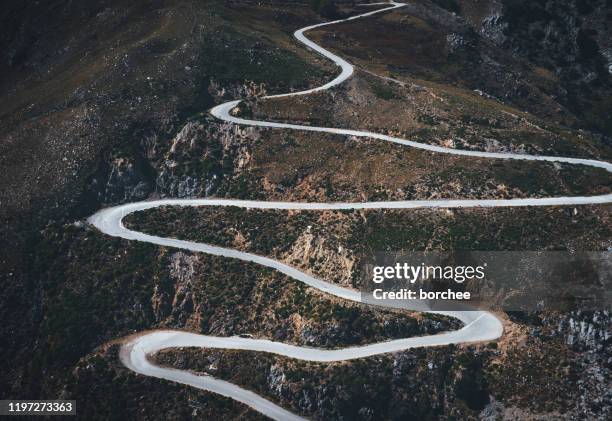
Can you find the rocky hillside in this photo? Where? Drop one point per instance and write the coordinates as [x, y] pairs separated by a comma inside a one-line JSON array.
[[98, 116], [568, 39], [563, 355], [106, 102]]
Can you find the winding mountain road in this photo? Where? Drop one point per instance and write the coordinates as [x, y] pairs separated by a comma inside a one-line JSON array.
[[478, 325]]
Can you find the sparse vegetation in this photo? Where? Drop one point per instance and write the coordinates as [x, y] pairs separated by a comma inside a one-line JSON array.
[[326, 8], [95, 99]]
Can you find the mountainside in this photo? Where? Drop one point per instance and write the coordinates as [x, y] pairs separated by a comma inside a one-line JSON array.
[[104, 103], [570, 39]]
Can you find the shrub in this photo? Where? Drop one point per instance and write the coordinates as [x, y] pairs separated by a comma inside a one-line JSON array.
[[326, 8], [450, 5]]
